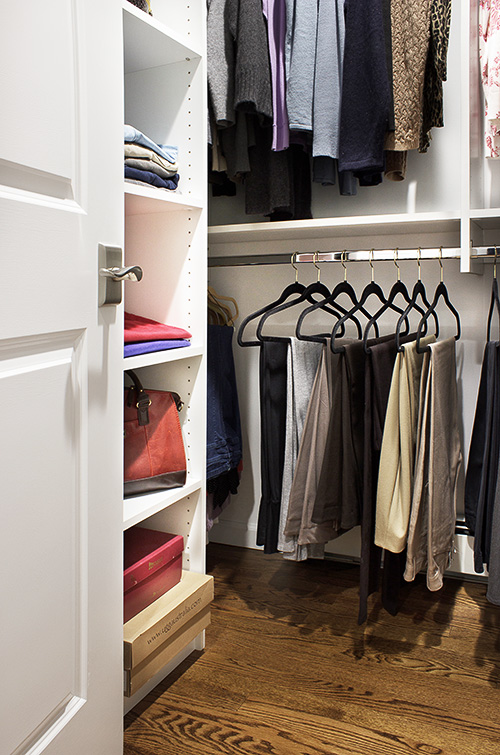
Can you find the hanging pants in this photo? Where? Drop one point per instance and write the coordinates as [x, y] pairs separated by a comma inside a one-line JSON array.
[[378, 377], [272, 383], [493, 592], [303, 359], [482, 466], [339, 493], [397, 457], [437, 467], [310, 459]]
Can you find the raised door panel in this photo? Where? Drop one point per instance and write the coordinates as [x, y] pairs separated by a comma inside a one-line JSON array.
[[39, 42], [43, 386]]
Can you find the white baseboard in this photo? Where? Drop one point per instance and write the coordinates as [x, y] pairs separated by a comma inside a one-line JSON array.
[[241, 534]]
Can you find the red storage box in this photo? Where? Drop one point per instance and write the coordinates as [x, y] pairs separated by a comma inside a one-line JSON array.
[[152, 564]]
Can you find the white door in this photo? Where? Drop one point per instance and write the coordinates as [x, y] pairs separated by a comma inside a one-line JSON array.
[[60, 403]]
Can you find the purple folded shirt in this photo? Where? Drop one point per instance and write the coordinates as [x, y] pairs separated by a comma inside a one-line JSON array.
[[146, 347]]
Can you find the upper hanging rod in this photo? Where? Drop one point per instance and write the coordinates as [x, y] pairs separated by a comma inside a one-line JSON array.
[[374, 255]]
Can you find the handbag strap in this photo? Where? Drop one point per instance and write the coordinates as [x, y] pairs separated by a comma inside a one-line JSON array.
[[143, 402]]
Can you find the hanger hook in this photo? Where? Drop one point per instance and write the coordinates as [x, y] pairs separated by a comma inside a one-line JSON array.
[[396, 257], [315, 260], [441, 261], [419, 253], [344, 265], [292, 260], [371, 265]]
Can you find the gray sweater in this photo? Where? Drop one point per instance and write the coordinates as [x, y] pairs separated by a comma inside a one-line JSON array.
[[220, 64], [328, 77], [239, 74], [300, 55]]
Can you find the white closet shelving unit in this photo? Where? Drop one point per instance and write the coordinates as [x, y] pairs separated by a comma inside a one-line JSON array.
[[450, 198], [165, 233]]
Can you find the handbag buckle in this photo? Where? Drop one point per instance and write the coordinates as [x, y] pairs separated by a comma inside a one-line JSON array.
[[178, 401], [142, 404]]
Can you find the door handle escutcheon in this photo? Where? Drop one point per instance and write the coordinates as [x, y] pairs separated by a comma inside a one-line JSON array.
[[111, 274]]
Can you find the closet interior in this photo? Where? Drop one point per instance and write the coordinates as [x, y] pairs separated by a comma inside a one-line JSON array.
[[436, 229], [441, 224]]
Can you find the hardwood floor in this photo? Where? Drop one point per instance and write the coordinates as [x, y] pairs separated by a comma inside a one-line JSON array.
[[287, 670]]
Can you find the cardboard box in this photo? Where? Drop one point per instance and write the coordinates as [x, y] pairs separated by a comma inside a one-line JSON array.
[[157, 623], [135, 678], [152, 565]]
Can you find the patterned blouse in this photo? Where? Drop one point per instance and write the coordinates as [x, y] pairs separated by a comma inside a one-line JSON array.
[[489, 60]]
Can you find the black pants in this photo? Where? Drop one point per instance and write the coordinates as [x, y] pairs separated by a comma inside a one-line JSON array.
[[273, 389], [338, 497], [482, 467]]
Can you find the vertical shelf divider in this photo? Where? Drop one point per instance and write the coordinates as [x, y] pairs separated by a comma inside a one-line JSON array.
[[166, 235]]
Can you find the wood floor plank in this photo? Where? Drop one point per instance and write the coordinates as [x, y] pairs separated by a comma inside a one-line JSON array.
[[287, 670], [263, 729], [336, 687], [375, 646]]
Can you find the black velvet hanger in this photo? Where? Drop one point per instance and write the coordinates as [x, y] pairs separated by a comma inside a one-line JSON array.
[[495, 300], [398, 289], [341, 288], [290, 290], [371, 289], [307, 295], [440, 293], [418, 291]]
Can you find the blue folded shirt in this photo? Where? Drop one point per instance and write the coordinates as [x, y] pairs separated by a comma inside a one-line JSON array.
[[167, 151], [146, 176]]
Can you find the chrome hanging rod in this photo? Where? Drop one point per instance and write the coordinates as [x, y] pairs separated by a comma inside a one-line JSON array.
[[374, 255]]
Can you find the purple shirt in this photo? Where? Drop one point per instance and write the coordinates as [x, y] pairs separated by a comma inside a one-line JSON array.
[[275, 13]]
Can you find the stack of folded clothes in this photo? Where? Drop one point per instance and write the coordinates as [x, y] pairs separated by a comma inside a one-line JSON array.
[[143, 336], [148, 162]]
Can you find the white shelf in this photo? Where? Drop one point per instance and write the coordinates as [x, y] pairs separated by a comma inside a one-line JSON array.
[[142, 200], [486, 219], [149, 43], [490, 212], [138, 508], [324, 228], [161, 357]]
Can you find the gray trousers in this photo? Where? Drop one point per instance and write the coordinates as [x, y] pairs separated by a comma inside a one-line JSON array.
[[310, 459], [437, 467]]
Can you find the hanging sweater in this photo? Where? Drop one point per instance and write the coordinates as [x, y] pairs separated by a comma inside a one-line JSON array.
[[328, 78], [238, 66], [300, 53], [410, 30], [435, 70], [220, 64], [366, 98]]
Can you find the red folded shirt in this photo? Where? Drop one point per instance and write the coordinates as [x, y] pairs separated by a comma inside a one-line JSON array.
[[139, 329]]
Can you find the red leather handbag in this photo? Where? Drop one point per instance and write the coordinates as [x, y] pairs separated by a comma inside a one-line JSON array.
[[154, 455]]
